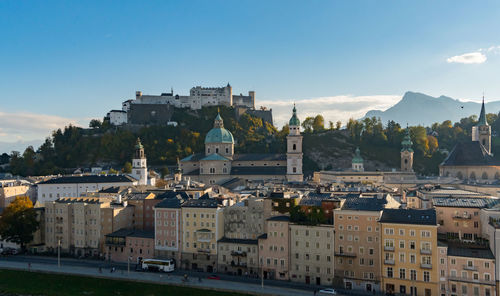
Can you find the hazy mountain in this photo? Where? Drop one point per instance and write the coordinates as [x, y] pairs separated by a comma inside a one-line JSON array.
[[416, 108]]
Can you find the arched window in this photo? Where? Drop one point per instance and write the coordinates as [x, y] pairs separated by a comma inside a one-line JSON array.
[[472, 176], [484, 142], [406, 160], [216, 150], [497, 176], [460, 176], [294, 147], [294, 169], [484, 176]]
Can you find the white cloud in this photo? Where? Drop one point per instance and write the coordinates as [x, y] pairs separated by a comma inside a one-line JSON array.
[[332, 108], [468, 58], [17, 127]]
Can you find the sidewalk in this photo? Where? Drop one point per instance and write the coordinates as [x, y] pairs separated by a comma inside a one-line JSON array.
[[158, 278]]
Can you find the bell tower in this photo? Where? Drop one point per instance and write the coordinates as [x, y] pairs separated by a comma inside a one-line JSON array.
[[483, 130], [294, 150], [139, 164], [407, 153]]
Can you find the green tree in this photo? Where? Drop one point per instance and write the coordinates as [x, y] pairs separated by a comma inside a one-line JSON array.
[[164, 172], [308, 124], [18, 221], [95, 123], [318, 123], [338, 125], [127, 168]]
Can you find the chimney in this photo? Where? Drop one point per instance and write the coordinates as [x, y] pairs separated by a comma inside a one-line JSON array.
[[119, 198], [138, 94]]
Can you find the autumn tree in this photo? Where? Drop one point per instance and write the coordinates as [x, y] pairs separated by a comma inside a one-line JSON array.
[[318, 123], [127, 168], [19, 221]]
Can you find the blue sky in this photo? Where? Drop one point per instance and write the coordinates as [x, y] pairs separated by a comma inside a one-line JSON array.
[[68, 61]]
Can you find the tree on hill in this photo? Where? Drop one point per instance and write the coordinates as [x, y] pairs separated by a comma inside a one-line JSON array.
[[318, 124], [127, 168], [18, 221]]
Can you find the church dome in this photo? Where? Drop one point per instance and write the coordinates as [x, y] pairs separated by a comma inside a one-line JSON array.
[[219, 134], [357, 157]]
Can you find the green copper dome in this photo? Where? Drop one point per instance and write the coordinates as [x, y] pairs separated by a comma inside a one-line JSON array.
[[357, 157], [219, 134], [294, 120], [138, 144]]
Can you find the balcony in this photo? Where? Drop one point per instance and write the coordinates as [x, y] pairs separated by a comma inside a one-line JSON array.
[[343, 254], [389, 248], [470, 267], [425, 266], [462, 216], [425, 251], [239, 253], [200, 250], [241, 264], [389, 261]]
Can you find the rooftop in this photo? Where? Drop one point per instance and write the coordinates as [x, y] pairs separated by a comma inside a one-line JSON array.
[[360, 203], [258, 170], [238, 241], [409, 216], [464, 202], [131, 233], [90, 179], [201, 203], [470, 252], [279, 218], [469, 154]]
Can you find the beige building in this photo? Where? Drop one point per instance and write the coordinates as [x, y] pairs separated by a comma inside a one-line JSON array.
[[409, 261], [74, 224], [238, 256], [10, 189], [357, 241], [274, 250], [202, 227], [459, 219], [311, 254]]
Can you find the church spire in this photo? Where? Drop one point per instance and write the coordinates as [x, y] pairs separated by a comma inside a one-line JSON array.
[[218, 123], [482, 116]]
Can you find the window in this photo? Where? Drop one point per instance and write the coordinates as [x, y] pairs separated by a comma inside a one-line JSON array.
[[427, 276], [402, 232], [389, 272], [413, 275], [389, 231], [401, 244], [402, 273], [412, 245]]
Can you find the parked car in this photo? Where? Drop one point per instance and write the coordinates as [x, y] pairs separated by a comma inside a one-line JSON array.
[[327, 292], [213, 277], [9, 251]]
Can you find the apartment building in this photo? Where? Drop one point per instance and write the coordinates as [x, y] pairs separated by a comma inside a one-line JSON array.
[[274, 252], [458, 218], [357, 241], [470, 271], [10, 189], [168, 229], [202, 227], [238, 256], [74, 224], [143, 203], [128, 245], [409, 262], [311, 254]]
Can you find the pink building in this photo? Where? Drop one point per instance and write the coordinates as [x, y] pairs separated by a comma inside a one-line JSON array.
[[168, 229], [274, 249], [133, 245]]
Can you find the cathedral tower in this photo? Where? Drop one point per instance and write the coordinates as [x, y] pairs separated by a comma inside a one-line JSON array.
[[407, 153], [294, 150]]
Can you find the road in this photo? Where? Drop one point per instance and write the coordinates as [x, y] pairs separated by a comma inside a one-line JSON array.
[[227, 282]]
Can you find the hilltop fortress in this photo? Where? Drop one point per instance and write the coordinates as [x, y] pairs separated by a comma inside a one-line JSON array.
[[158, 109]]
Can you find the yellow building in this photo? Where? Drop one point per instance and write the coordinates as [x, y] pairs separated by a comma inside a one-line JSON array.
[[409, 262], [203, 226]]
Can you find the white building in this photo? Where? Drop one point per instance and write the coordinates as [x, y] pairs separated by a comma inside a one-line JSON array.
[[139, 166], [117, 117], [74, 186], [294, 150]]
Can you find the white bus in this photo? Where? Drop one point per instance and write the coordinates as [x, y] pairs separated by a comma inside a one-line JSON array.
[[158, 265]]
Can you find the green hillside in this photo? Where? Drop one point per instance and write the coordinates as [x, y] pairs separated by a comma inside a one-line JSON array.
[[324, 148]]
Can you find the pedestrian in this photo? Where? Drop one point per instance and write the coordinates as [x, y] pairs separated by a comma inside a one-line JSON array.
[[100, 269], [29, 266], [315, 292]]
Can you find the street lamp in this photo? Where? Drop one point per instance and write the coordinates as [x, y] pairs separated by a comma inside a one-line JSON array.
[[59, 253]]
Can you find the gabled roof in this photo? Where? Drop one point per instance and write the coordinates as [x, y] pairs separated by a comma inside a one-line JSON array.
[[194, 157], [169, 203], [90, 179], [470, 153], [201, 203], [409, 216]]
